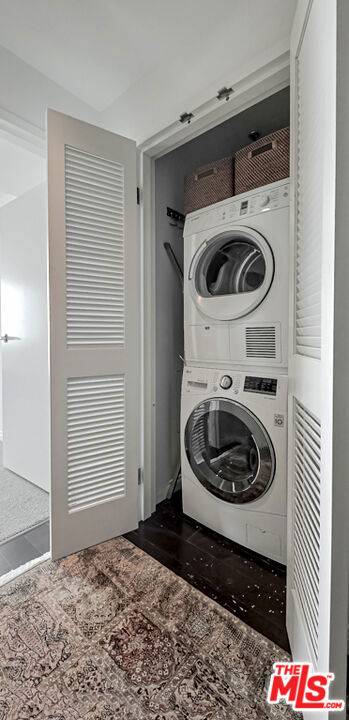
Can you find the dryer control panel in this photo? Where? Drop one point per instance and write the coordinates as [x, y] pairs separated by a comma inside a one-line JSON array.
[[270, 197]]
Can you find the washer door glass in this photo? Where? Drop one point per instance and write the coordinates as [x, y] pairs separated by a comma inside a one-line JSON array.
[[229, 451], [232, 273]]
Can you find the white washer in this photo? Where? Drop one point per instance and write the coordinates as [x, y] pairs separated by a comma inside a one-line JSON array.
[[234, 446], [236, 268]]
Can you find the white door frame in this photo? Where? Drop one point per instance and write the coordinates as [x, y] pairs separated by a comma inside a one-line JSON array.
[[249, 91]]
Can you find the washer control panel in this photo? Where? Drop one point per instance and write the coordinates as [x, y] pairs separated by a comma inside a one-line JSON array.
[[253, 390], [265, 386], [268, 198], [205, 381]]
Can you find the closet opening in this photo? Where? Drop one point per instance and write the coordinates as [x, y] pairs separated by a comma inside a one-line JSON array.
[[207, 525]]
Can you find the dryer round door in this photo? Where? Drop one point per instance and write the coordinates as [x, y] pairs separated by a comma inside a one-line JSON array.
[[231, 273], [229, 451]]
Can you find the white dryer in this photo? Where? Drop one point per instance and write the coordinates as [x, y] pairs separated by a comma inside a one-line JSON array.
[[236, 268], [234, 447]]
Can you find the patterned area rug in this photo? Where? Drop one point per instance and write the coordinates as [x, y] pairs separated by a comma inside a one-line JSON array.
[[110, 634]]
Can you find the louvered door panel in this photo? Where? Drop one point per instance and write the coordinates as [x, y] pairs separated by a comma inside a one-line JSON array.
[[309, 198], [307, 459], [94, 334], [96, 440], [94, 202]]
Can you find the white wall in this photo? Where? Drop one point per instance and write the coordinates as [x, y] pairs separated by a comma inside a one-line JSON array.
[[24, 313], [1, 431], [340, 510], [20, 169], [26, 93]]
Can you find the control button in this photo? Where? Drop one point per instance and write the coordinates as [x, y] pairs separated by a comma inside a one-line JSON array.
[[226, 382]]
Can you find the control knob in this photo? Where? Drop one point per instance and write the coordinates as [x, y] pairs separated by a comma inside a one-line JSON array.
[[265, 200], [226, 382]]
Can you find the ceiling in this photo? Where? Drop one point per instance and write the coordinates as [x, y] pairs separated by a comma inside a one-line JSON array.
[[127, 59]]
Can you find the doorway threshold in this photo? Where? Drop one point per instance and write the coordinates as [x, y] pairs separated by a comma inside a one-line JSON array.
[[13, 574], [25, 547]]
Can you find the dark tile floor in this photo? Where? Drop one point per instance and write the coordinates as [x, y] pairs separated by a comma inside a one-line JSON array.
[[23, 548], [250, 586]]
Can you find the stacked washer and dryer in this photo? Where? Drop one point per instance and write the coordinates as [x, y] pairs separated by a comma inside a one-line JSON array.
[[234, 391]]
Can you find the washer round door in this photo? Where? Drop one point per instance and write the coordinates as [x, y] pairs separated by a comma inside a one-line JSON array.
[[231, 273], [229, 451]]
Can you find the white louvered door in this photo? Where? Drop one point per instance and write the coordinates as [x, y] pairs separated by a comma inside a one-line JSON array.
[[315, 619], [94, 334]]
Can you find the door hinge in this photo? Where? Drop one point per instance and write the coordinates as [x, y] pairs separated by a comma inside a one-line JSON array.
[[186, 117], [138, 196], [224, 93], [140, 476]]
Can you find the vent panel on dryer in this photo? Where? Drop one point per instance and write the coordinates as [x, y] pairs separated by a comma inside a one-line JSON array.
[[261, 342]]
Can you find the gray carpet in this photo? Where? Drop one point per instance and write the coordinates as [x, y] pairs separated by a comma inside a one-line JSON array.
[[22, 505]]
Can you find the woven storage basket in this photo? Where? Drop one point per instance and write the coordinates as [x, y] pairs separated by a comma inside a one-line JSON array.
[[209, 184], [262, 162]]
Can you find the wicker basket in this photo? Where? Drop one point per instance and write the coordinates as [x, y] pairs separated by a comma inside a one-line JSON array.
[[262, 162], [209, 184]]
